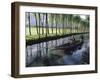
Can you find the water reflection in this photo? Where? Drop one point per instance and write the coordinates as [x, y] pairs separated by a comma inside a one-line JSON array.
[[45, 54]]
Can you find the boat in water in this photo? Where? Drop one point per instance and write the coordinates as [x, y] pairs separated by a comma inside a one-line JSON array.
[[68, 48]]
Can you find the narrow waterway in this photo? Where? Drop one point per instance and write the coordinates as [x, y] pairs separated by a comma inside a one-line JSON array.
[[45, 54]]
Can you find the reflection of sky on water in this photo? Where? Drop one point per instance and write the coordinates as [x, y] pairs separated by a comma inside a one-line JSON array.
[[45, 48], [76, 57]]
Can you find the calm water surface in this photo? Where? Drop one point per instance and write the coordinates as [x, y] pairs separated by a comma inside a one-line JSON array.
[[45, 54]]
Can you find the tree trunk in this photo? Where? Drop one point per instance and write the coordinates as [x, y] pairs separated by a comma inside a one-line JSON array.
[[59, 22], [72, 25], [43, 25], [66, 24], [51, 24], [46, 24], [29, 23], [39, 24], [56, 23], [63, 23], [36, 23]]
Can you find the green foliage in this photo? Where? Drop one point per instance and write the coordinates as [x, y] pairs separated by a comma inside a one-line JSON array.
[[36, 36], [49, 24]]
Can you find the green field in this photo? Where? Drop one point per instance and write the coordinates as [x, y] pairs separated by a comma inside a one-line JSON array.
[[34, 34]]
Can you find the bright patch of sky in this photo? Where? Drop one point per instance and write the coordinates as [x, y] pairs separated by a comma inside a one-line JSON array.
[[83, 16], [32, 19]]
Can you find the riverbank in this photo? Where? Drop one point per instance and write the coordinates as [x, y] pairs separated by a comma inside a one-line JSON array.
[[45, 39]]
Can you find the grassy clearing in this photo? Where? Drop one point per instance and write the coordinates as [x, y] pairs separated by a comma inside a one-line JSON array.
[[34, 34]]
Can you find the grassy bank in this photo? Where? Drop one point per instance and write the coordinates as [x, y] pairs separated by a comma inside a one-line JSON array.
[[34, 34]]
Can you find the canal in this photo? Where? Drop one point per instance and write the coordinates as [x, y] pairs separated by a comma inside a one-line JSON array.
[[51, 53]]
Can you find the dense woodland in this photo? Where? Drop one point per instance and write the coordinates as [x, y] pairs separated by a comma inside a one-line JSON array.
[[40, 25]]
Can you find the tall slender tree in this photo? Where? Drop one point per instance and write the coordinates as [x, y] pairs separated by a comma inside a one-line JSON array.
[[48, 20], [46, 25], [78, 21], [71, 22], [63, 23], [59, 20], [52, 22], [36, 22], [39, 23], [66, 23], [88, 23], [43, 24], [29, 23], [56, 19]]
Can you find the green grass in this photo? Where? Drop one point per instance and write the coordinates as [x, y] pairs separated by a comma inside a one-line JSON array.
[[34, 34], [34, 31]]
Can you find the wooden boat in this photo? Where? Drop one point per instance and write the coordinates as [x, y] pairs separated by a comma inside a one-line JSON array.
[[68, 47]]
